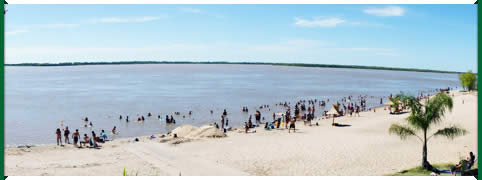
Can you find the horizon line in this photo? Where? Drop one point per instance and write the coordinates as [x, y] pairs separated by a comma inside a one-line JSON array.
[[240, 63]]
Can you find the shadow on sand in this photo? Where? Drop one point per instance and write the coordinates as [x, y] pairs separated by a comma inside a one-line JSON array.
[[341, 125]]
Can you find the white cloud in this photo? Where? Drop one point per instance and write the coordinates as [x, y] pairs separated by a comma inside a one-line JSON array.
[[125, 20], [387, 11], [319, 22], [191, 10], [289, 50], [16, 32]]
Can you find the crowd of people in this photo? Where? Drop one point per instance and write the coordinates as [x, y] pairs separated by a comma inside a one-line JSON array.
[[304, 110]]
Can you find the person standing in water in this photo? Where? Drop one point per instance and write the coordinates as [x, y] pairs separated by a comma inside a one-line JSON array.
[[59, 136], [113, 131], [66, 135]]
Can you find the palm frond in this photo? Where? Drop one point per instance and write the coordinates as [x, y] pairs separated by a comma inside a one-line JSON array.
[[450, 132], [402, 131], [436, 107]]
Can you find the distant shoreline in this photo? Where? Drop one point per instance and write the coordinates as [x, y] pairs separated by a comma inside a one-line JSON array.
[[235, 63]]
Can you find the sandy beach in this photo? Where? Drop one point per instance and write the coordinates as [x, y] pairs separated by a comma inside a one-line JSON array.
[[363, 148]]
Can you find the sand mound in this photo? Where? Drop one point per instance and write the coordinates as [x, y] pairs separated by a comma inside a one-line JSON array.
[[191, 132], [184, 131]]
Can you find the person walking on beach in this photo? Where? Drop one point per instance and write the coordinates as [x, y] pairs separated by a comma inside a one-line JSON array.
[[292, 125], [59, 136], [257, 115], [66, 135], [76, 137]]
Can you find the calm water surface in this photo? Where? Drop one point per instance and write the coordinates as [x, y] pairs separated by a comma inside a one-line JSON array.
[[37, 99]]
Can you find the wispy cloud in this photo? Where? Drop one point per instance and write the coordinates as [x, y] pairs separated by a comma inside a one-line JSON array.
[[125, 20], [15, 32], [190, 10], [319, 22], [60, 25], [386, 11]]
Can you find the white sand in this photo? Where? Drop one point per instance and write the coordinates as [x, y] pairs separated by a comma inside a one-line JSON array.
[[364, 148]]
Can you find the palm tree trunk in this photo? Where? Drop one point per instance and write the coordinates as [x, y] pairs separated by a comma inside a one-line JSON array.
[[425, 163]]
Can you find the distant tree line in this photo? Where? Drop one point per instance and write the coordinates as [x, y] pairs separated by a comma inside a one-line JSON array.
[[225, 62]]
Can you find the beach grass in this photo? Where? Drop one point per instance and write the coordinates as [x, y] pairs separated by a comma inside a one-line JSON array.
[[420, 171]]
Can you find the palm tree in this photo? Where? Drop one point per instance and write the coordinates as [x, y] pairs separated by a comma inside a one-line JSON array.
[[422, 117]]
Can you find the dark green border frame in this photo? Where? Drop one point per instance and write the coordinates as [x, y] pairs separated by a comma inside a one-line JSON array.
[[479, 108], [2, 95], [2, 82]]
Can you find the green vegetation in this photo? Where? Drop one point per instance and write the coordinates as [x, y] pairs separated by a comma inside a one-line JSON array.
[[420, 171], [422, 117], [399, 99], [468, 80], [224, 62]]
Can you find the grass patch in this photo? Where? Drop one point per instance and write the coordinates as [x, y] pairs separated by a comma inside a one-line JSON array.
[[420, 171]]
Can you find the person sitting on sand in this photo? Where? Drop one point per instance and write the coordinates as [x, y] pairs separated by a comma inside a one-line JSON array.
[[85, 141], [250, 124], [93, 140], [266, 127], [59, 136], [66, 135], [76, 136], [104, 135]]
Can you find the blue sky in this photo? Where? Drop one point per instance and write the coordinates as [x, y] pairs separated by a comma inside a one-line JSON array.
[[439, 37]]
